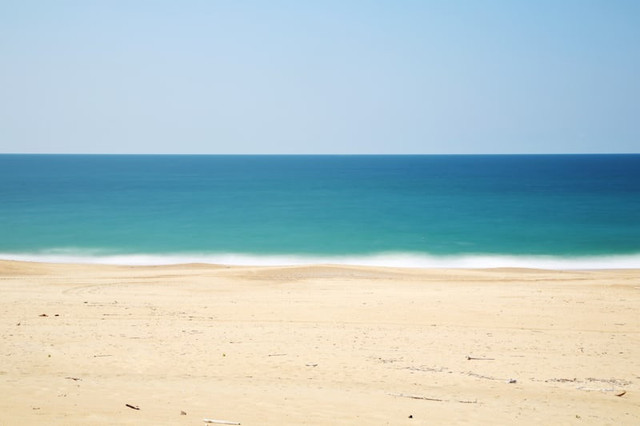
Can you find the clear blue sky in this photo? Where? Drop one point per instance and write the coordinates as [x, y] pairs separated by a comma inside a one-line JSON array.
[[397, 76]]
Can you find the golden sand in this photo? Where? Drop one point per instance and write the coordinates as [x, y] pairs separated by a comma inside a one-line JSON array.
[[317, 345]]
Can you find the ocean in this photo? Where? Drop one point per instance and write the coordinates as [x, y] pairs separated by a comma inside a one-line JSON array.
[[547, 211]]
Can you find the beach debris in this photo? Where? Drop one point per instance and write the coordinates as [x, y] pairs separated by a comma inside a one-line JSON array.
[[387, 360], [621, 393], [75, 379], [426, 398], [480, 376], [277, 354], [430, 369], [512, 381], [220, 422], [561, 380], [590, 389], [410, 416], [133, 407], [183, 413], [402, 395], [471, 358], [619, 382], [311, 365], [43, 315], [615, 385]]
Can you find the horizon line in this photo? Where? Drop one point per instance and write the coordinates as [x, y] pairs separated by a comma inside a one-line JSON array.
[[314, 154]]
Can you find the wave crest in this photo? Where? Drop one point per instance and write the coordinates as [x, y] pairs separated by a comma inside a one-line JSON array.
[[403, 260]]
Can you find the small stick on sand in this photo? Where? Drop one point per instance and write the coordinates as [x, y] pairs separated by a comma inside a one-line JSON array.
[[401, 395], [220, 422], [470, 358], [425, 398], [133, 407]]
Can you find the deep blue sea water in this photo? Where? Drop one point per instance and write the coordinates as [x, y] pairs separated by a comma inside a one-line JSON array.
[[476, 210]]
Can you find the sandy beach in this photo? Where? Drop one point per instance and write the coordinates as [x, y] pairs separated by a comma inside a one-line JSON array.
[[317, 345]]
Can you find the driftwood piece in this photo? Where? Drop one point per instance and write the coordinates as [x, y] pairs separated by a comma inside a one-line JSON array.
[[133, 407]]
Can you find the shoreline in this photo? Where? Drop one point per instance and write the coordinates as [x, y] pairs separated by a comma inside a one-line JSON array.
[[317, 344], [385, 259]]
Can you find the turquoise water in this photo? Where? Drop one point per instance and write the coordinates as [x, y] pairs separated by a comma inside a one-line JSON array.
[[528, 210]]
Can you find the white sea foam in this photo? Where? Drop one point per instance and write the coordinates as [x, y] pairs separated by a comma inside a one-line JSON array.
[[405, 260]]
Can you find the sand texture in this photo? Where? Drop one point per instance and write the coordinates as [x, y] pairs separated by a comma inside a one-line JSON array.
[[317, 345]]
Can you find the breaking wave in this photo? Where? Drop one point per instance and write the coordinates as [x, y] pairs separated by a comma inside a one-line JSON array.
[[404, 260]]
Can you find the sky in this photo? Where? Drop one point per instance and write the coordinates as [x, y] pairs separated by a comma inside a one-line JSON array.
[[320, 77]]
